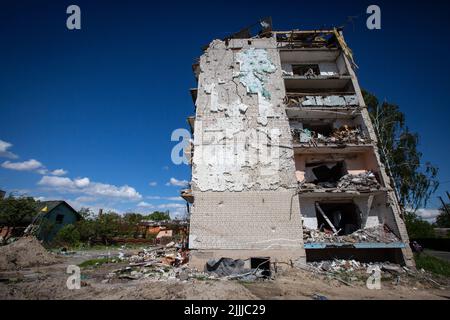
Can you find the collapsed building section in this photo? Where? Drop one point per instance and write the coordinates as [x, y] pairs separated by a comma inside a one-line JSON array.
[[284, 157]]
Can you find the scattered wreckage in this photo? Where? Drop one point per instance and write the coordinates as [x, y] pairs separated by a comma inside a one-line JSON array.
[[380, 234], [340, 136]]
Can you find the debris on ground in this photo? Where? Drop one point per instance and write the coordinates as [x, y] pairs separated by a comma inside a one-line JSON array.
[[236, 269], [24, 253], [379, 234], [167, 262]]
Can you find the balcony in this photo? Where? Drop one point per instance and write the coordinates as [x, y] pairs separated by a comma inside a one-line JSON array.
[[328, 101], [324, 136], [187, 195]]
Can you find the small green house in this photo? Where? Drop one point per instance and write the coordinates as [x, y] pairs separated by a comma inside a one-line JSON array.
[[53, 215]]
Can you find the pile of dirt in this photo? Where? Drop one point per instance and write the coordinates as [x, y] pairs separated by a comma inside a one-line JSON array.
[[24, 253]]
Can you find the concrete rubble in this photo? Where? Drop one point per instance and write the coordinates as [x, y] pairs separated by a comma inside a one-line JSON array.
[[171, 263], [379, 234], [338, 265], [342, 135], [365, 181]]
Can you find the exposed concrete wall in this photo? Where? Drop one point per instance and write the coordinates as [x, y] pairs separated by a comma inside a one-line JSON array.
[[246, 220], [243, 164]]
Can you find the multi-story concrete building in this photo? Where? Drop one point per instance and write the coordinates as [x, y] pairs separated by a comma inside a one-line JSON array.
[[284, 157]]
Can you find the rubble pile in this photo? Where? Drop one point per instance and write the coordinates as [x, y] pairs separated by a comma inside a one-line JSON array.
[[170, 263], [160, 263], [352, 266], [24, 253], [343, 135], [379, 234], [347, 134], [360, 182]]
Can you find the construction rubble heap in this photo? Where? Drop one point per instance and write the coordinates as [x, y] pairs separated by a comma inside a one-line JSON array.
[[170, 262], [365, 181], [380, 234], [342, 135]]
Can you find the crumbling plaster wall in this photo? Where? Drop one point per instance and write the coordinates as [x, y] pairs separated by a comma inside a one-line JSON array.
[[242, 138], [243, 164]]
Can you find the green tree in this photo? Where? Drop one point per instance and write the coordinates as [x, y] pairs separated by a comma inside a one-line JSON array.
[[86, 213], [14, 211], [131, 223], [443, 219], [413, 182], [87, 229], [158, 216], [107, 226], [68, 235], [417, 227]]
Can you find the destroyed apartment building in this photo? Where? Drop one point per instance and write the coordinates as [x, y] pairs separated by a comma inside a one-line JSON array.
[[284, 157]]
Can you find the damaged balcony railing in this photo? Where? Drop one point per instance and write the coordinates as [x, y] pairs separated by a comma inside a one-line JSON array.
[[338, 99], [338, 136]]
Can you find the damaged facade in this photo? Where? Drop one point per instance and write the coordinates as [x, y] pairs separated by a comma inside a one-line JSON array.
[[284, 157]]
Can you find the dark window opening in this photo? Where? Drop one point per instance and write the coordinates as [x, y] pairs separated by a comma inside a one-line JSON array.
[[59, 218], [344, 216], [325, 175], [305, 69], [325, 129]]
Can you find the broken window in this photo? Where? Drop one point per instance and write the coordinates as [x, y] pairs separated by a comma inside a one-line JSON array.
[[326, 174], [306, 70], [341, 218]]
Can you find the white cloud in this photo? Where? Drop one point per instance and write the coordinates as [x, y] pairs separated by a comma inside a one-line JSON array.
[[171, 206], [81, 182], [153, 184], [166, 168], [59, 172], [56, 182], [29, 165], [176, 182], [153, 197], [144, 204], [428, 214], [174, 198], [164, 198], [4, 153], [84, 185]]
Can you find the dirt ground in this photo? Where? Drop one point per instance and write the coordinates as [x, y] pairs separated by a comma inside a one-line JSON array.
[[49, 282]]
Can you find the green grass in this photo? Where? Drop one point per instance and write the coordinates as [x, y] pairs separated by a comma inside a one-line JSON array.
[[432, 264], [96, 262]]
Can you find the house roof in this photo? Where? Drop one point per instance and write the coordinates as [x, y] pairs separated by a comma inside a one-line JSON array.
[[53, 204]]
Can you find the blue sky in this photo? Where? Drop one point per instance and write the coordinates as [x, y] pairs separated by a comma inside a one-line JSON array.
[[101, 103]]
